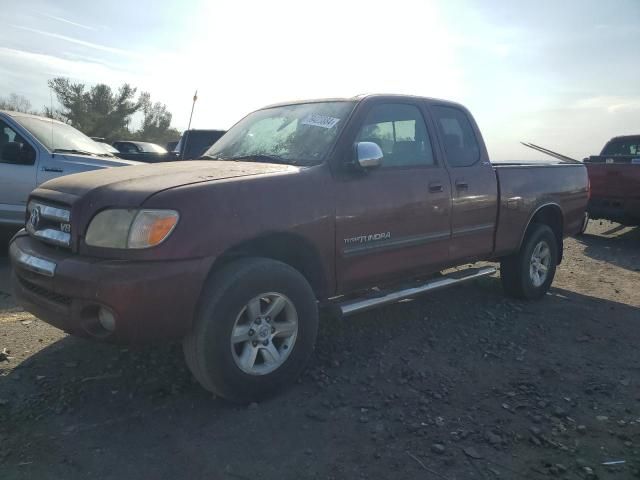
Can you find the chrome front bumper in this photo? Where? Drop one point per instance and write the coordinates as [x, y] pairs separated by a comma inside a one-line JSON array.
[[31, 262], [151, 300]]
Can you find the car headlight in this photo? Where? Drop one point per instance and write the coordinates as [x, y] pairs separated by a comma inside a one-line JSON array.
[[131, 228]]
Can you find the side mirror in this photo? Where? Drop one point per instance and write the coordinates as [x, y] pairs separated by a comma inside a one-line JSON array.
[[17, 153], [369, 155]]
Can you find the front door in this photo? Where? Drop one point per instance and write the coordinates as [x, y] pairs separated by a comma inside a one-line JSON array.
[[473, 185], [394, 220], [16, 179]]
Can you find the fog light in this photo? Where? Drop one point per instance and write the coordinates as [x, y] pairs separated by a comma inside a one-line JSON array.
[[107, 319]]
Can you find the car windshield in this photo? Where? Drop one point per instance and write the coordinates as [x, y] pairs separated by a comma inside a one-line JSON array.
[[623, 147], [59, 136], [108, 148], [151, 147], [295, 134]]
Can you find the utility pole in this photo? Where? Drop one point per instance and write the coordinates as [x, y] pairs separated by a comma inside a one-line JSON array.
[[186, 137]]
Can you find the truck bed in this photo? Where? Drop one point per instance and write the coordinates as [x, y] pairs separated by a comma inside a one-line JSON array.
[[525, 187]]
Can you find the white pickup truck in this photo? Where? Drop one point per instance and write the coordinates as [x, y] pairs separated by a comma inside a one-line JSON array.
[[36, 149]]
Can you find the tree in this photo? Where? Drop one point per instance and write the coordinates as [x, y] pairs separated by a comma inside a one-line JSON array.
[[156, 122], [16, 103], [97, 111]]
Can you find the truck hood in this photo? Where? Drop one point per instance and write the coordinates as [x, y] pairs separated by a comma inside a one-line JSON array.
[[134, 184]]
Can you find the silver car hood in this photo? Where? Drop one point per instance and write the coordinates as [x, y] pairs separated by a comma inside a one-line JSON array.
[[81, 162]]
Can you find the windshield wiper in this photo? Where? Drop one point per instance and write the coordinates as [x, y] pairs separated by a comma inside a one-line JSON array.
[[210, 157], [263, 159], [73, 150]]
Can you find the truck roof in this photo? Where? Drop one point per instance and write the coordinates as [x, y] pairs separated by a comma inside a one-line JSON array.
[[207, 130], [360, 97], [625, 137], [11, 113]]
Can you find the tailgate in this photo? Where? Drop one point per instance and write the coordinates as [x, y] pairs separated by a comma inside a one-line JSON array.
[[617, 177]]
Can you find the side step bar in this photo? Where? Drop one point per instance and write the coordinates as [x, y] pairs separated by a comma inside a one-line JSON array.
[[455, 278]]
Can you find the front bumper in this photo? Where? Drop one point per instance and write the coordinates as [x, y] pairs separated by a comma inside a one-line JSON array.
[[151, 300]]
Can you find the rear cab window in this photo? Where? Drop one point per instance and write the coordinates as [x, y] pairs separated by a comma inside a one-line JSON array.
[[460, 142], [126, 147], [629, 146]]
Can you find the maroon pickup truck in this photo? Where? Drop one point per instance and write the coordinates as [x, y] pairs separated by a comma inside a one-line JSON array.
[[615, 181], [341, 203]]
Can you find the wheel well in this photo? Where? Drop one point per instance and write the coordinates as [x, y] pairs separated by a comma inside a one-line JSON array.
[[551, 215], [291, 249]]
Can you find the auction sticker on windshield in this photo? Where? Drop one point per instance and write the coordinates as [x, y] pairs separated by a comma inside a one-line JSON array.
[[317, 120]]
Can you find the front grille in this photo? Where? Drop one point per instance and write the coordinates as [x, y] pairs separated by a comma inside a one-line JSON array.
[[45, 293], [49, 223]]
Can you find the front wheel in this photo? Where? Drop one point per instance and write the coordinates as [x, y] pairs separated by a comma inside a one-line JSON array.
[[528, 274], [255, 330]]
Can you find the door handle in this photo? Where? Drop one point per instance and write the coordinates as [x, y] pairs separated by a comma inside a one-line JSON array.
[[435, 188], [50, 169], [462, 185]]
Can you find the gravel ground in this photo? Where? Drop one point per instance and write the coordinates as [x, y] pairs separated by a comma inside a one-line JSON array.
[[459, 384]]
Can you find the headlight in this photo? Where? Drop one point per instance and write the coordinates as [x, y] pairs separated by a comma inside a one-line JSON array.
[[119, 228]]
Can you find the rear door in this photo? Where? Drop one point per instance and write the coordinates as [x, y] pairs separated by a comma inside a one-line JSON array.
[[473, 183], [394, 220], [16, 180]]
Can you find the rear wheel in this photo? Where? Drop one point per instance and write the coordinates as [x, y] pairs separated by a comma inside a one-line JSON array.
[[254, 331], [528, 274]]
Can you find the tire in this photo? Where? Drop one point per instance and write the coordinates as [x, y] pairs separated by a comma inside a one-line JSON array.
[[227, 308], [585, 224], [516, 274]]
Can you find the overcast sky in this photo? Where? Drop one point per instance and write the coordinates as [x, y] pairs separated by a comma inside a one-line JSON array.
[[565, 75]]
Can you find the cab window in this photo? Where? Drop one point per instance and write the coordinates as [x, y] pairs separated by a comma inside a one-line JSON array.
[[460, 142], [401, 133], [9, 135]]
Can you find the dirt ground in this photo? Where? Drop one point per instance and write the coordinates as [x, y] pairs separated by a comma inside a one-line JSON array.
[[459, 384]]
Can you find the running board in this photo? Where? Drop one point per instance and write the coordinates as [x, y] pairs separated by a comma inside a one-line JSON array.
[[455, 278]]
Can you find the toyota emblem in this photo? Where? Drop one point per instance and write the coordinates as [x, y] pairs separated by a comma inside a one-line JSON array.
[[34, 217]]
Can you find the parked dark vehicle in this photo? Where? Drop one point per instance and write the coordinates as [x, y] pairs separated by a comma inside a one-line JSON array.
[[194, 143], [298, 206], [109, 149], [141, 151], [615, 181], [171, 146]]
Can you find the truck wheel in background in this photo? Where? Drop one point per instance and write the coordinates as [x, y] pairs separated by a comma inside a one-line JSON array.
[[254, 331], [528, 274]]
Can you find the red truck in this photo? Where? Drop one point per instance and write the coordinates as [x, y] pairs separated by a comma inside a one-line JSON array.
[[615, 181], [341, 203]]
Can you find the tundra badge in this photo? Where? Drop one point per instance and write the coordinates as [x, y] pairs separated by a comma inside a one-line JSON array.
[[373, 237]]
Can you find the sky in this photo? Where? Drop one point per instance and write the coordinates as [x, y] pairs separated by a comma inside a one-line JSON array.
[[565, 75]]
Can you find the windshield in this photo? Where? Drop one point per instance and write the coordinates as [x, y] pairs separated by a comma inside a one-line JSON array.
[[296, 134], [59, 136], [108, 148], [629, 146], [151, 147]]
